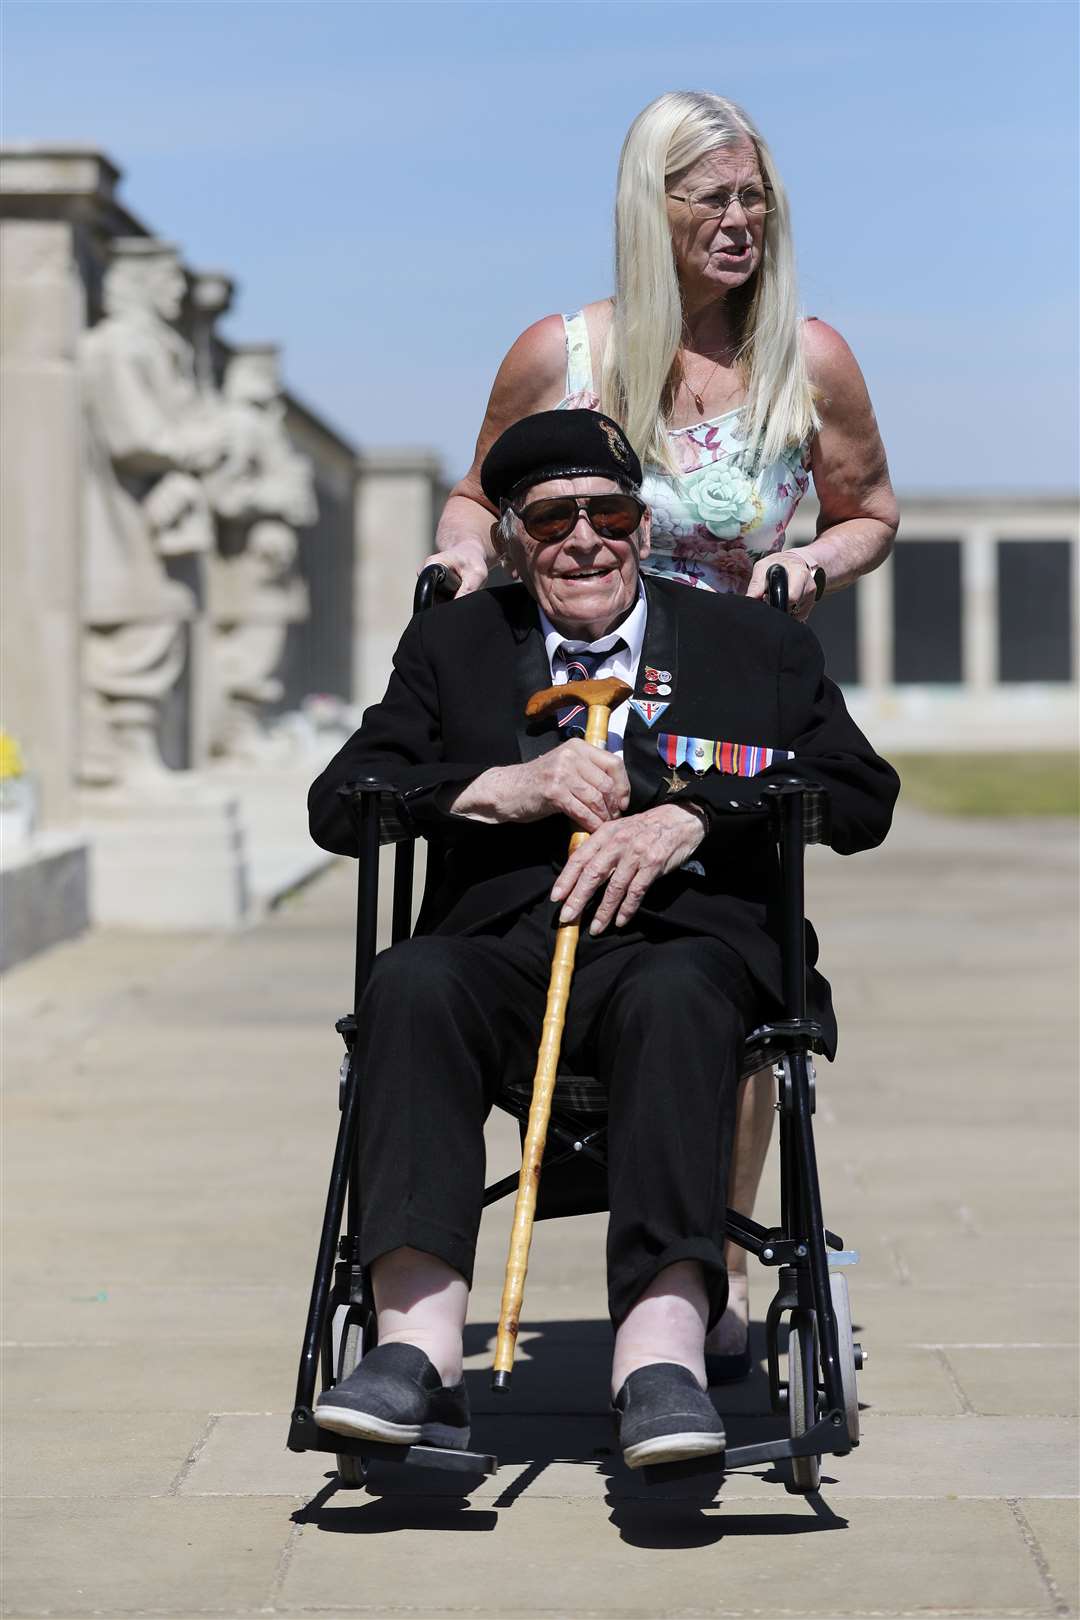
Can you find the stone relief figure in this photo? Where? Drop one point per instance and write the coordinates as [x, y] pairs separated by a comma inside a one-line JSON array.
[[262, 491], [151, 437]]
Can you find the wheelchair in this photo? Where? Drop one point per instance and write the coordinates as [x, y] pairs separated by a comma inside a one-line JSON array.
[[819, 1394]]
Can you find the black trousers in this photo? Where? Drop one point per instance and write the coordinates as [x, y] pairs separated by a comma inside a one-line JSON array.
[[658, 1019]]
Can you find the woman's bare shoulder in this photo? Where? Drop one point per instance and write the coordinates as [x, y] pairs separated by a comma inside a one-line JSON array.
[[829, 360], [534, 363], [598, 316]]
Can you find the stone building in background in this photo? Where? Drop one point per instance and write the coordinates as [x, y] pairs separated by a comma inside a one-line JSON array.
[[196, 571]]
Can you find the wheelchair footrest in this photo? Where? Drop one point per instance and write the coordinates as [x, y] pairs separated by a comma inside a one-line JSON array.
[[828, 1435], [305, 1435], [451, 1462]]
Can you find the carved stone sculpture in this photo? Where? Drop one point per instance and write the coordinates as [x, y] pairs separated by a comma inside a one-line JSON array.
[[262, 491], [150, 435]]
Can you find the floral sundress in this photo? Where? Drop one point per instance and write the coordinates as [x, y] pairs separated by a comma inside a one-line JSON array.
[[713, 519]]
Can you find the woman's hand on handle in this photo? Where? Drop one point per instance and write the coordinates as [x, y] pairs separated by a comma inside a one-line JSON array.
[[466, 566], [802, 591]]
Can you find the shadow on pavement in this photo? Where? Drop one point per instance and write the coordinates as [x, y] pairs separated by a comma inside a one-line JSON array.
[[344, 1512]]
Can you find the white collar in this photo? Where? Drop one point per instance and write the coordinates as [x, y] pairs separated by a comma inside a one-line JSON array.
[[631, 630]]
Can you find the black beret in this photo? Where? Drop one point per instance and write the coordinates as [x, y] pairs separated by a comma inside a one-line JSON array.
[[558, 444]]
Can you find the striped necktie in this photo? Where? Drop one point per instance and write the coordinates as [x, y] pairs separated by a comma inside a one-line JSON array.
[[581, 666]]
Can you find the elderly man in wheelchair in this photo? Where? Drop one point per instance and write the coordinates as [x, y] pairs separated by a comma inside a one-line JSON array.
[[682, 948]]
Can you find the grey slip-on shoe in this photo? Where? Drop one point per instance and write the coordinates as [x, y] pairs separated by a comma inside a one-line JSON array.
[[662, 1415], [396, 1396]]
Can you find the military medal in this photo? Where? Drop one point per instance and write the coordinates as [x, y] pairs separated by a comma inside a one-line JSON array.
[[731, 759], [649, 712]]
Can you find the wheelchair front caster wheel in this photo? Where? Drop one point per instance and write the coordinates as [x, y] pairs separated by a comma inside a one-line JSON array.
[[850, 1354], [802, 1397], [357, 1338]]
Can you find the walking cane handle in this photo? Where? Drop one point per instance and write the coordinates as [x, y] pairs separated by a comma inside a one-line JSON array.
[[606, 694]]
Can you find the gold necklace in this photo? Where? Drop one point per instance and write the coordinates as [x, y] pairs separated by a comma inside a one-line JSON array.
[[697, 398]]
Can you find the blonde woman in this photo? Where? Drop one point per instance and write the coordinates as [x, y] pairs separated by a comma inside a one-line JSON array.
[[734, 404]]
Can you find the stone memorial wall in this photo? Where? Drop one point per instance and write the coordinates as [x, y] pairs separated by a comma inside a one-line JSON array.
[[192, 610]]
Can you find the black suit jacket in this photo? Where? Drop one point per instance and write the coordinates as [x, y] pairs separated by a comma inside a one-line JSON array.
[[740, 672]]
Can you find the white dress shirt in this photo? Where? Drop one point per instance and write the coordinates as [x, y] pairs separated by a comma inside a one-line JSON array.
[[623, 663]]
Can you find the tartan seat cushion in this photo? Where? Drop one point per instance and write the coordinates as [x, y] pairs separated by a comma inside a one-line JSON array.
[[584, 1094]]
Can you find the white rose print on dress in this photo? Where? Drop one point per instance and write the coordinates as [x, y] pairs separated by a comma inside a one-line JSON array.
[[724, 498]]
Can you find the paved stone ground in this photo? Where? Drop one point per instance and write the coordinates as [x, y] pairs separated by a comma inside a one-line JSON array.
[[170, 1108]]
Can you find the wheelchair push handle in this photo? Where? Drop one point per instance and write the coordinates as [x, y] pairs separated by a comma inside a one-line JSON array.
[[776, 583], [433, 585]]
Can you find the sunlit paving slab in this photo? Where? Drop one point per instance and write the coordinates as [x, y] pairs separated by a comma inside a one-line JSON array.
[[147, 1556], [1001, 1380], [1053, 1526], [75, 1310], [972, 1313], [113, 1377], [628, 1558], [94, 1454]]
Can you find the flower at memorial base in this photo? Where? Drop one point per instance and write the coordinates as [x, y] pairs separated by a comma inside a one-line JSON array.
[[11, 760], [724, 499]]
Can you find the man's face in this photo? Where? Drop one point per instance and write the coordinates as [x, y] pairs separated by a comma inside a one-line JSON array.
[[585, 584]]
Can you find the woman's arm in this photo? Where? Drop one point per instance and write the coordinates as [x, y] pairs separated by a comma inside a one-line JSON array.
[[858, 517], [531, 378]]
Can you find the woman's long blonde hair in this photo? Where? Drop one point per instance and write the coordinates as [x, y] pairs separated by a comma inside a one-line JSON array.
[[642, 364]]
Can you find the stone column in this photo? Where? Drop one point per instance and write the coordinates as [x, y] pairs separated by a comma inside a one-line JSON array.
[[50, 201], [979, 585], [42, 312], [210, 297], [399, 497]]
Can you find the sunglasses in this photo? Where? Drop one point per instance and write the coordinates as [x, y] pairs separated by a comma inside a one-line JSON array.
[[612, 517]]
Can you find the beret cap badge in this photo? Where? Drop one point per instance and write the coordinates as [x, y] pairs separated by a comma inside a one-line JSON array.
[[616, 440]]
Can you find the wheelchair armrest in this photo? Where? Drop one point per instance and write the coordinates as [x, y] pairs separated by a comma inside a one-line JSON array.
[[780, 795], [395, 823]]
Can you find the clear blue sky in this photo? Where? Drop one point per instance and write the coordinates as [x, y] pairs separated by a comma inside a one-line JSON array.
[[400, 188]]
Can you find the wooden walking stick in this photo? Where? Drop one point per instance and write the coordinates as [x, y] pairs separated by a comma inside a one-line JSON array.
[[599, 697]]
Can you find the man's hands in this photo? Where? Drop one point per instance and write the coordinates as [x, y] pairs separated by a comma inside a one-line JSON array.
[[576, 780], [591, 788], [629, 855]]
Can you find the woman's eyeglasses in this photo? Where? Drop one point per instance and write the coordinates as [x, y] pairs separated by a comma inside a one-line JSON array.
[[613, 517], [753, 200]]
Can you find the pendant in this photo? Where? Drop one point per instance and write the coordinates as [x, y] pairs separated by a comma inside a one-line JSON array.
[[699, 404]]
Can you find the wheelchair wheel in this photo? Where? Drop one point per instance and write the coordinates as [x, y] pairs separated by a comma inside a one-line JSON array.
[[841, 1305], [802, 1397], [358, 1336]]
